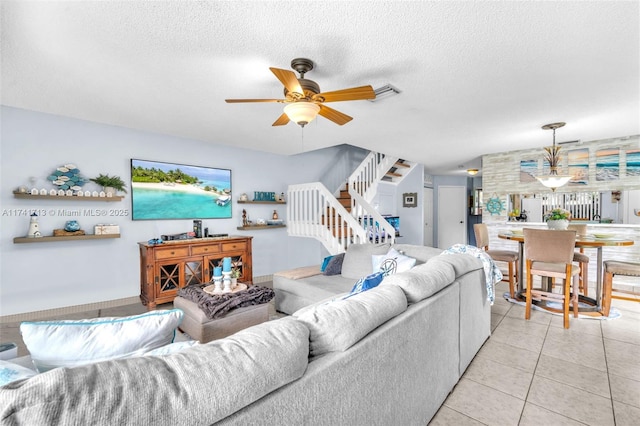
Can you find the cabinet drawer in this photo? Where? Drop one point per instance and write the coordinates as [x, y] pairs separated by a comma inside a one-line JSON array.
[[233, 246], [205, 249], [167, 253]]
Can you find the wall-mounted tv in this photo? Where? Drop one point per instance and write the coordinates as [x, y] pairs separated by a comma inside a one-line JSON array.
[[178, 191]]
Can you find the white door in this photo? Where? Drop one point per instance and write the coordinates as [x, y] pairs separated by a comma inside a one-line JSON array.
[[452, 216], [428, 216]]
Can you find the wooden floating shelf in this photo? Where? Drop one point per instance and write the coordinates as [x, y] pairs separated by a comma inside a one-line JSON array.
[[27, 196], [19, 240], [249, 228], [262, 202]]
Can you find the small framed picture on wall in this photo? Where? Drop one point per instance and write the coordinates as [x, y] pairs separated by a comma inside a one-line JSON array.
[[410, 199]]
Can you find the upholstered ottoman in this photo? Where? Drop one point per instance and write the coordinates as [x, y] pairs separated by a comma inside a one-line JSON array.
[[199, 327]]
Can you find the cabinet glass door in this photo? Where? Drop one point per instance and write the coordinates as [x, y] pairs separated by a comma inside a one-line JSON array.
[[193, 273], [168, 277]]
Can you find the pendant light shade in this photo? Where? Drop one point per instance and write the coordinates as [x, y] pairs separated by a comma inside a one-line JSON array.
[[302, 112], [553, 180]]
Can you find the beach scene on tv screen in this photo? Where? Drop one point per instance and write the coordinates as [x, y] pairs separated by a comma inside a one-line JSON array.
[[178, 191]]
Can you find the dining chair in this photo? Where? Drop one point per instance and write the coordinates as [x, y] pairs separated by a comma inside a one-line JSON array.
[[611, 269], [510, 257], [581, 258], [549, 254]]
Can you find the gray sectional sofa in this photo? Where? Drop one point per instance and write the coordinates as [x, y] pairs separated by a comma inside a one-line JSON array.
[[389, 355]]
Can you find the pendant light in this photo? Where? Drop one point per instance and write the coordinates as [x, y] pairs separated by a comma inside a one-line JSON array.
[[553, 180]]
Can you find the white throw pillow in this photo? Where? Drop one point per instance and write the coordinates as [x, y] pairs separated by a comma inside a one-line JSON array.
[[10, 372], [69, 343], [393, 262]]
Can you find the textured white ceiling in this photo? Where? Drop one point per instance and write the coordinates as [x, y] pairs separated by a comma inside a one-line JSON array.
[[477, 77]]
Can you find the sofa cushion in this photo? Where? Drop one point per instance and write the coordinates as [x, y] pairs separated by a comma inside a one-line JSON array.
[[172, 348], [68, 343], [339, 324], [357, 259], [334, 265], [200, 385], [325, 262], [393, 262], [421, 253], [423, 280], [461, 264], [10, 372]]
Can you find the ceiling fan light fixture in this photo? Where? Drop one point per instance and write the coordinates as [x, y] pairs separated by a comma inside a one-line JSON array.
[[553, 180], [302, 112]]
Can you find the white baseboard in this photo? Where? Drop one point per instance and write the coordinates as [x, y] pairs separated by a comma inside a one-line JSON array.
[[48, 313], [262, 279]]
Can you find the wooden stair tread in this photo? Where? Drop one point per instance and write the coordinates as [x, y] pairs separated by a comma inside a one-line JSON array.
[[393, 174], [398, 164]]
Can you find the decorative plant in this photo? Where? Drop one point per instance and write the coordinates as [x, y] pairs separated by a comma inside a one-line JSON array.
[[235, 272], [110, 181], [557, 214]]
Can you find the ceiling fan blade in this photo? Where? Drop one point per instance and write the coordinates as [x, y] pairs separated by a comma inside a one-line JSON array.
[[288, 79], [233, 101], [281, 121], [353, 94], [333, 115]]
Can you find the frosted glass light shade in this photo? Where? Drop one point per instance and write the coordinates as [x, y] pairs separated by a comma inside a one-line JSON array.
[[302, 112], [554, 181]]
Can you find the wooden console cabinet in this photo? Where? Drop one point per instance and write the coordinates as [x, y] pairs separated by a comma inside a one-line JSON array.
[[165, 268]]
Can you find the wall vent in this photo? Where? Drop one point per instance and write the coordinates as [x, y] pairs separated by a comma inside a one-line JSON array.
[[384, 92]]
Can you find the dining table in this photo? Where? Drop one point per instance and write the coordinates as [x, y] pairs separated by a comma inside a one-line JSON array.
[[592, 306]]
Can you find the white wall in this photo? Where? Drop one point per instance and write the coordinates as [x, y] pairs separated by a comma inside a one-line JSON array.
[[57, 274], [411, 218]]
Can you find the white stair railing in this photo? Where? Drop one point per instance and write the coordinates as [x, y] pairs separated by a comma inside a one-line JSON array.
[[363, 185], [314, 212], [365, 178]]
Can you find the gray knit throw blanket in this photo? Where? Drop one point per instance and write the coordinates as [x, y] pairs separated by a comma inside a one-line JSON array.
[[218, 305]]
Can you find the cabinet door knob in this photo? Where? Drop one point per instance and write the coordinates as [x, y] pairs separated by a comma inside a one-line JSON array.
[[173, 252]]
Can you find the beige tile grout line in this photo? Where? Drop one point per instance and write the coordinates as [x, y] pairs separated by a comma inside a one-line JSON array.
[[533, 375], [606, 363]]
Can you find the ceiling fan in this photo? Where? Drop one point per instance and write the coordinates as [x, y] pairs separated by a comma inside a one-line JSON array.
[[304, 99]]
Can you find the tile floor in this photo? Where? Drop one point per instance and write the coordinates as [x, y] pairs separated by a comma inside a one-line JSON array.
[[528, 372], [537, 373]]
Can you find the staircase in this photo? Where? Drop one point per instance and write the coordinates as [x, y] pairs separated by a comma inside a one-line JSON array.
[[345, 217]]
